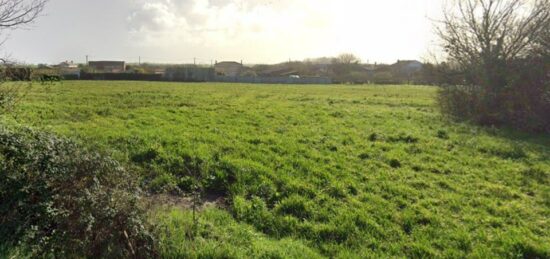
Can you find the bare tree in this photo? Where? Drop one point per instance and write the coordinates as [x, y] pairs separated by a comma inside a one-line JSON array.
[[542, 44], [15, 14], [347, 58], [493, 44], [343, 66], [487, 33]]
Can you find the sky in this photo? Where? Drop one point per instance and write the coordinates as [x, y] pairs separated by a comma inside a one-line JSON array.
[[254, 31]]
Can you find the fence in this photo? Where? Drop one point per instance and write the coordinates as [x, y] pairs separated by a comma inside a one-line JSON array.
[[188, 74], [199, 75], [273, 80], [120, 76]]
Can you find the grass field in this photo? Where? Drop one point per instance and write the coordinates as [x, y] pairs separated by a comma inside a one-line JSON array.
[[313, 171]]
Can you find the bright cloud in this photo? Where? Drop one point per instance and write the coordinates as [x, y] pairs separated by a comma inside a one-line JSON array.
[[287, 28], [252, 30], [210, 21]]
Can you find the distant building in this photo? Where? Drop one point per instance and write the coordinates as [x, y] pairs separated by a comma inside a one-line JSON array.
[[408, 66], [406, 71], [107, 66], [67, 64], [188, 74], [68, 69], [228, 68], [70, 72]]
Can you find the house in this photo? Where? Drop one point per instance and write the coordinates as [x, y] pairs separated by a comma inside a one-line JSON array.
[[407, 66], [68, 69], [107, 66], [279, 70], [406, 71], [67, 64], [228, 68]]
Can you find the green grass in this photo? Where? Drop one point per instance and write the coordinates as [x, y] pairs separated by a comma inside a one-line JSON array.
[[332, 171], [218, 235]]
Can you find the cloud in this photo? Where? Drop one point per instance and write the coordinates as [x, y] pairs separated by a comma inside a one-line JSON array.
[[203, 21], [265, 29], [153, 17], [252, 30]]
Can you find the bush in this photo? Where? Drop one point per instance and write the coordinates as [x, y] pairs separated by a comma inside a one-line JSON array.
[[461, 102], [523, 103], [58, 199]]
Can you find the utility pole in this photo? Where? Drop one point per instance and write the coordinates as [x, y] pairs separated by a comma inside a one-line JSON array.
[[139, 61], [195, 61], [86, 59]]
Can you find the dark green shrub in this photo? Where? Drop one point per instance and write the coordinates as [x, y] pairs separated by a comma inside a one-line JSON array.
[[537, 175], [185, 184], [395, 163], [163, 182], [61, 200], [524, 249], [364, 156], [403, 138], [505, 151], [337, 191], [462, 102], [520, 101], [352, 190], [373, 137], [442, 134], [419, 250], [146, 156]]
